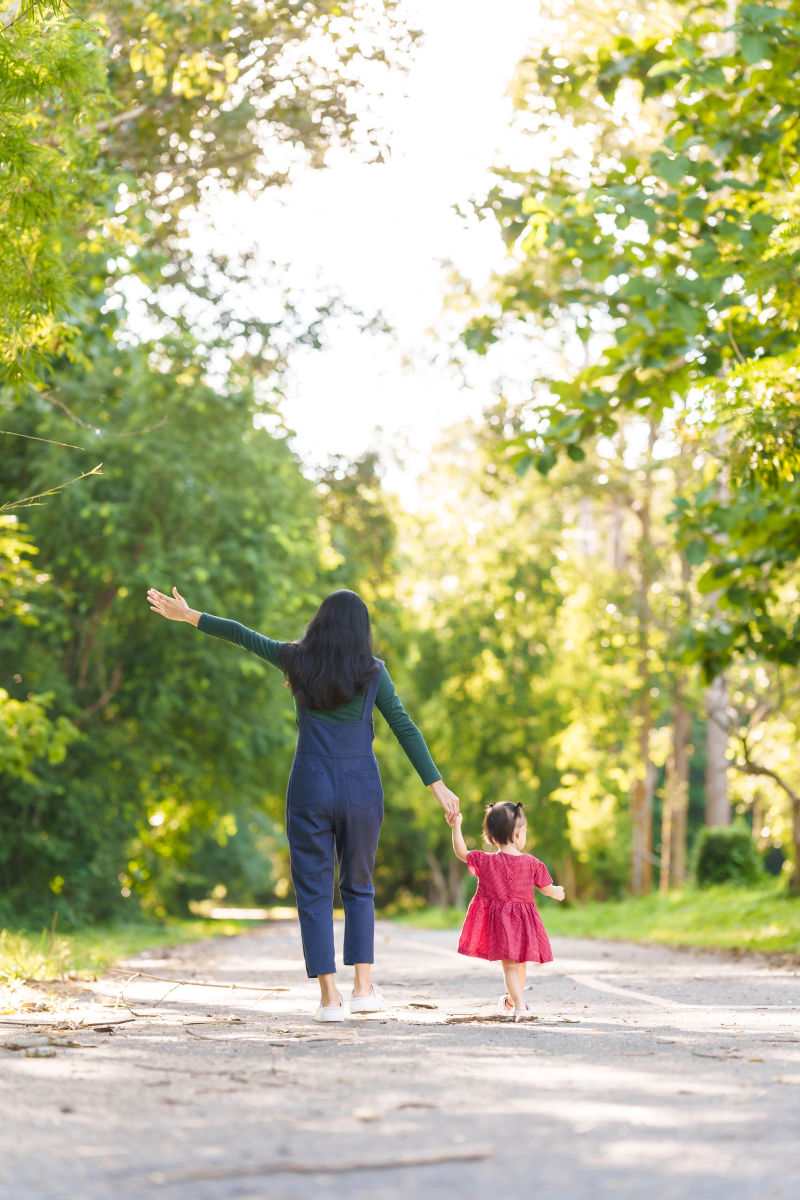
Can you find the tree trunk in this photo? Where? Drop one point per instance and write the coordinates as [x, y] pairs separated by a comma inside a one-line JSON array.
[[753, 768], [642, 817], [567, 877], [438, 893], [586, 532], [641, 800], [456, 879], [615, 550], [718, 808], [676, 801], [666, 837]]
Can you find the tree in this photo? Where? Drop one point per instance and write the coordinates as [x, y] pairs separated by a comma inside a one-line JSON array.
[[678, 263], [174, 786], [482, 577], [136, 123], [663, 240], [119, 120], [765, 715], [26, 733], [53, 92]]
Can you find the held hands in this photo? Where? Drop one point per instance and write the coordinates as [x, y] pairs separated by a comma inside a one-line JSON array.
[[173, 607], [448, 800], [454, 820]]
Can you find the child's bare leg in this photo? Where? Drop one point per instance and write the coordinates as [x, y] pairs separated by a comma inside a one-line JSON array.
[[512, 977], [522, 967]]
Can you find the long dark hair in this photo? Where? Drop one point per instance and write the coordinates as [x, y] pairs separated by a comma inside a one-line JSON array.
[[334, 658]]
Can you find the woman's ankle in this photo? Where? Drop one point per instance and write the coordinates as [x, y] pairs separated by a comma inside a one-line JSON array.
[[362, 985], [329, 993]]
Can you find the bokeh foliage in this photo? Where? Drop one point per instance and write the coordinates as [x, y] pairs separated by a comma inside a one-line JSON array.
[[119, 118], [664, 238], [180, 743]]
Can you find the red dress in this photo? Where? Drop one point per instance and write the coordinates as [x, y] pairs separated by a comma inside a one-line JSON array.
[[502, 920]]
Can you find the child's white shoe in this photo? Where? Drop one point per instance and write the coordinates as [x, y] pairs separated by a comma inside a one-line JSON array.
[[368, 1004], [330, 1014], [503, 1008], [524, 1014]]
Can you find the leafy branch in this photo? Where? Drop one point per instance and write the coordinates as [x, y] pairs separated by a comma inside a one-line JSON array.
[[30, 501]]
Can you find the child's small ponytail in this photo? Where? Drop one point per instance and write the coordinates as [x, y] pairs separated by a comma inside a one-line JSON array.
[[500, 822]]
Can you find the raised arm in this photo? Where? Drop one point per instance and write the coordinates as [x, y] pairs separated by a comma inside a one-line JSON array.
[[173, 607], [229, 631]]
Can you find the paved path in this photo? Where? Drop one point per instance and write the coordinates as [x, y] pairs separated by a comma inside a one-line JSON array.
[[673, 1074]]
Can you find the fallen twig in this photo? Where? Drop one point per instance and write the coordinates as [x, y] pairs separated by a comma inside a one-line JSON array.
[[260, 998], [487, 1019], [271, 1039], [59, 1021], [121, 993], [26, 1043], [430, 1159], [228, 987], [174, 988], [214, 1021]]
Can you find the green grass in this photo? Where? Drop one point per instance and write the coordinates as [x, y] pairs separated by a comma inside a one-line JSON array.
[[758, 918], [28, 955], [432, 918], [761, 918]]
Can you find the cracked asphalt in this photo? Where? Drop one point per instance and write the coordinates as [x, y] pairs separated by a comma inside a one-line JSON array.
[[676, 1072]]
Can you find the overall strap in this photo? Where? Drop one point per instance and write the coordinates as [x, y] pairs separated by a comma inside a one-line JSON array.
[[372, 692], [369, 703]]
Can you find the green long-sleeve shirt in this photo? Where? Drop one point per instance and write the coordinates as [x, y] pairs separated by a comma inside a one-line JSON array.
[[387, 701]]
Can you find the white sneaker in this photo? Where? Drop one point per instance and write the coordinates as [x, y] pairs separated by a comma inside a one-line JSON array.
[[503, 1008], [524, 1014], [331, 1014], [368, 1004]]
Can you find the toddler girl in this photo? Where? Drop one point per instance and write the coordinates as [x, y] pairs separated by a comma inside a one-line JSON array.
[[502, 921]]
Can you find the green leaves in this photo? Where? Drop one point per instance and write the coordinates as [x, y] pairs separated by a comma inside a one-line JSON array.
[[113, 127], [688, 257], [696, 552], [546, 461], [747, 536], [754, 47], [673, 170], [667, 66], [53, 90], [481, 335], [170, 722]]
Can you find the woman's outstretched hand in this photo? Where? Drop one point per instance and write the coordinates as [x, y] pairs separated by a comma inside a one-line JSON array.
[[173, 607], [448, 800]]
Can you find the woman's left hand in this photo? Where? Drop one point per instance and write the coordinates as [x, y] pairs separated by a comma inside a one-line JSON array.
[[448, 800], [173, 607]]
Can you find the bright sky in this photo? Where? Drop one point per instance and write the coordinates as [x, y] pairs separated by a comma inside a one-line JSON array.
[[378, 233]]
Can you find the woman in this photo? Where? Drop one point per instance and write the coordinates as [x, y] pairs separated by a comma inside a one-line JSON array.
[[335, 796]]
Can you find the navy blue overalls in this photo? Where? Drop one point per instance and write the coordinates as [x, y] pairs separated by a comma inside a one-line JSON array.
[[335, 799]]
